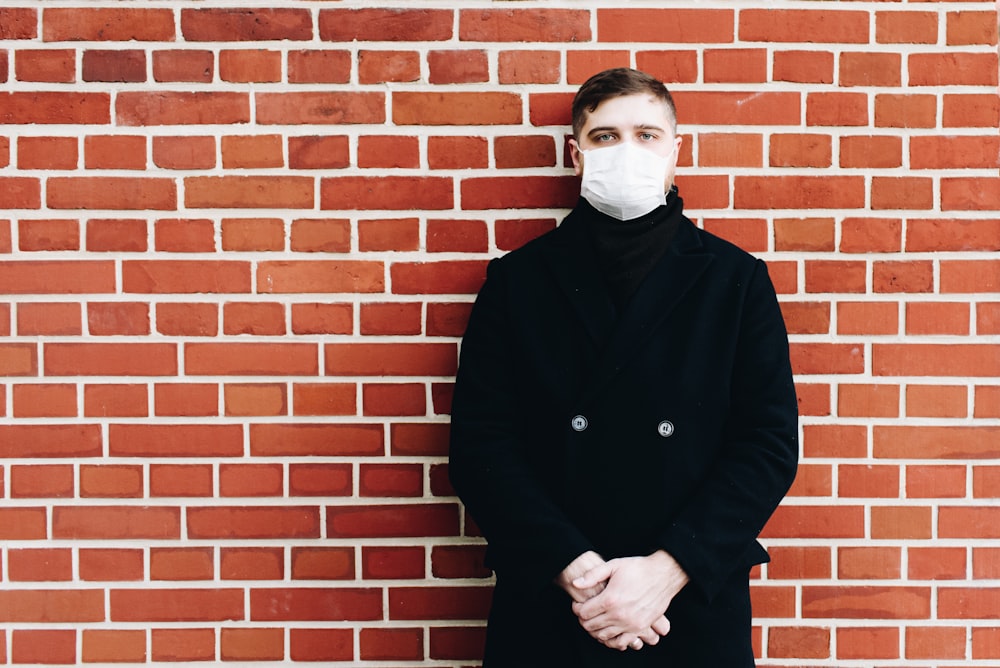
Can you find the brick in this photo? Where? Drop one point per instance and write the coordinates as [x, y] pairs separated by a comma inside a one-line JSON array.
[[955, 152], [971, 27], [970, 110], [251, 480], [253, 234], [111, 192], [23, 524], [118, 318], [337, 440], [108, 24], [985, 642], [250, 66], [459, 561], [967, 522], [237, 359], [427, 439], [391, 318], [411, 603], [391, 644], [870, 69], [866, 602], [20, 193], [674, 66], [736, 108], [937, 563], [391, 480], [386, 192], [318, 152], [935, 643], [952, 69], [111, 482], [730, 150], [114, 152], [581, 64], [794, 563], [387, 151], [321, 644], [184, 276], [174, 605], [382, 521], [967, 602], [385, 25], [316, 604], [953, 234], [251, 151], [172, 235], [39, 565], [187, 319], [515, 25], [113, 646], [248, 192], [320, 276], [41, 319], [312, 318], [47, 153], [253, 522], [264, 563], [44, 400], [42, 481], [935, 360], [868, 400], [837, 109], [803, 66], [869, 563], [457, 643], [187, 440], [735, 65], [935, 481], [392, 562], [929, 442], [181, 108], [115, 522], [115, 359], [868, 480], [24, 108], [812, 480], [260, 319], [822, 358], [816, 522], [798, 25], [800, 642], [45, 65], [799, 192], [321, 235], [173, 644], [905, 110], [814, 398], [896, 277], [43, 646], [316, 108], [324, 399], [868, 642], [375, 67], [119, 66], [970, 194], [519, 192], [458, 66], [910, 522], [181, 563], [456, 108], [806, 317], [184, 480], [320, 480], [528, 67], [524, 151], [401, 234], [378, 359], [871, 152], [184, 65], [937, 318], [253, 24], [254, 644], [18, 23], [319, 66], [646, 25], [906, 27], [184, 152], [987, 401], [326, 563], [19, 359]]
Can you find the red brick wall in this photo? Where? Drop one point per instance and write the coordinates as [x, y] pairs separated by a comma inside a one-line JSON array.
[[237, 249]]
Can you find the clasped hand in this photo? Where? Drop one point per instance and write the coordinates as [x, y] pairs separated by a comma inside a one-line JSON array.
[[621, 602]]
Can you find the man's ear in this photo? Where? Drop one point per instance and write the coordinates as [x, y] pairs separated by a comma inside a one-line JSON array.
[[577, 156]]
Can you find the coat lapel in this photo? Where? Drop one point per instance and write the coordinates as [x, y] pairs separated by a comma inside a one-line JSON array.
[[574, 265]]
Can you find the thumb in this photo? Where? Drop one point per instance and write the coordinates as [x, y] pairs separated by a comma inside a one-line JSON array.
[[594, 576]]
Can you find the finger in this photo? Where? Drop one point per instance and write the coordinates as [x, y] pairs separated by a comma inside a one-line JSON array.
[[593, 577], [649, 637], [636, 644], [661, 626]]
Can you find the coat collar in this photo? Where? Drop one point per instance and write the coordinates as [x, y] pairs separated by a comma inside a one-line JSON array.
[[573, 262]]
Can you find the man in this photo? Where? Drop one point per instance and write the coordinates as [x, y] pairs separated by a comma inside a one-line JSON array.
[[624, 419]]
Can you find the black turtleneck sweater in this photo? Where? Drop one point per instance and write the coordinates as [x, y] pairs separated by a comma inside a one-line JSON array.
[[627, 250]]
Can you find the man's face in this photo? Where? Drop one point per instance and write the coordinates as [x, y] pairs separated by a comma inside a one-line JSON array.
[[641, 119]]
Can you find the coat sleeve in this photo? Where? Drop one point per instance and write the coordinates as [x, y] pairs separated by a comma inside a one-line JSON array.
[[530, 538], [717, 529]]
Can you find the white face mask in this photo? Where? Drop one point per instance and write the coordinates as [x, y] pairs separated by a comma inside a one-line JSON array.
[[624, 181]]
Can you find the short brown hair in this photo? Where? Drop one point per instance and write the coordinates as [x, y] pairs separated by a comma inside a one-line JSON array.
[[614, 83]]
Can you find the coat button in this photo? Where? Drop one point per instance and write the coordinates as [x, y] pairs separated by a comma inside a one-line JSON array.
[[665, 429], [579, 423]]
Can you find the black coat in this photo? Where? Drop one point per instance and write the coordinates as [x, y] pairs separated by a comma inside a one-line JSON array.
[[672, 425]]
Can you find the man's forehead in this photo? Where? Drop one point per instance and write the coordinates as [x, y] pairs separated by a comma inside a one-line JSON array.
[[633, 110]]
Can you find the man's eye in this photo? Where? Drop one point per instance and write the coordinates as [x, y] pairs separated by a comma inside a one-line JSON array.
[[604, 137], [646, 136]]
